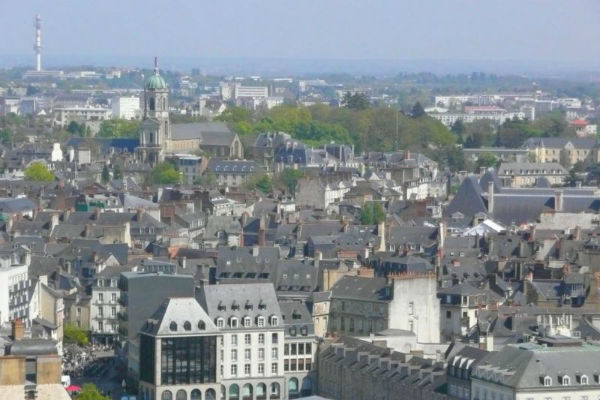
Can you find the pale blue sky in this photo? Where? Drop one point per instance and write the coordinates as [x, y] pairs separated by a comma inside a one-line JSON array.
[[516, 30]]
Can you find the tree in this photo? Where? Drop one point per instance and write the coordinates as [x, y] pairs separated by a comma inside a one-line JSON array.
[[38, 172], [164, 173], [105, 174], [208, 179], [572, 178], [372, 214], [290, 178], [91, 392], [417, 110], [120, 128], [486, 160], [458, 128], [356, 101], [76, 128], [261, 182], [378, 213], [74, 334], [117, 173]]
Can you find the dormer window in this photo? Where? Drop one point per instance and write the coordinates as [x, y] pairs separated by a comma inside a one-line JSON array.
[[565, 380], [187, 326], [247, 322], [260, 321], [201, 325], [233, 322], [583, 379], [173, 327], [220, 322], [274, 320], [547, 381]]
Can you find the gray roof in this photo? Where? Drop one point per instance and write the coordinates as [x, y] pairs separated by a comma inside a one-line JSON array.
[[240, 300], [179, 316], [526, 366], [361, 288], [16, 205], [209, 133]]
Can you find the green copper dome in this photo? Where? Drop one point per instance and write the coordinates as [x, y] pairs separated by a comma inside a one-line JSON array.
[[156, 82]]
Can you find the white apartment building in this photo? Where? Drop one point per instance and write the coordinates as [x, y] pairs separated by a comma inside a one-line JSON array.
[[251, 352], [235, 91], [126, 107], [64, 115], [105, 306], [14, 283], [449, 119]]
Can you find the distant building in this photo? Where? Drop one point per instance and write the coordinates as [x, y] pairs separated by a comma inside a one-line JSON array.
[[64, 115], [125, 107], [513, 174]]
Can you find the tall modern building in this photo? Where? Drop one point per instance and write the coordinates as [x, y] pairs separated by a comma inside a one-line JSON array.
[[155, 132]]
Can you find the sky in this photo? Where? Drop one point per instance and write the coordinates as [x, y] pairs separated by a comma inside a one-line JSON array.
[[497, 32]]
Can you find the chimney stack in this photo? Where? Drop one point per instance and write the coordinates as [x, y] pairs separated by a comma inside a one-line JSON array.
[[381, 234], [558, 200], [18, 329]]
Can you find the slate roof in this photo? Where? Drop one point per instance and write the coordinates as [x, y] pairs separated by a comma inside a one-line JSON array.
[[209, 133], [468, 200], [240, 300], [361, 288], [222, 166], [179, 316], [16, 205]]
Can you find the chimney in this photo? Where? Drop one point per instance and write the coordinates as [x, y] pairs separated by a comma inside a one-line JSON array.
[[184, 262], [318, 255], [96, 213], [491, 198], [18, 329], [381, 234], [558, 200], [140, 211], [261, 233]]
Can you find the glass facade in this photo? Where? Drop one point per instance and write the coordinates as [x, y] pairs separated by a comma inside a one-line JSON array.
[[147, 359], [186, 360]]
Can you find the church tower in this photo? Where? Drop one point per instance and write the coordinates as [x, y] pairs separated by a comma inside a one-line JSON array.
[[155, 132]]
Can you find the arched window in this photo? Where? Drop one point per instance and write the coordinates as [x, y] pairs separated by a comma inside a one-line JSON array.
[[181, 395], [293, 386], [583, 380], [173, 326], [233, 322], [547, 381], [234, 392], [261, 391], [223, 393], [196, 395], [274, 320], [566, 380], [211, 395], [152, 104], [247, 392], [201, 325], [164, 105], [166, 395], [187, 326], [275, 390]]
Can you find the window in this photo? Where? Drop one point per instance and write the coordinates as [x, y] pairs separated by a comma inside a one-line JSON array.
[[187, 326], [261, 321], [286, 365], [411, 308], [113, 311], [547, 381], [261, 338], [274, 353], [100, 326], [293, 365], [308, 347], [247, 355], [233, 355], [176, 354], [274, 368], [101, 297], [307, 363], [220, 322], [286, 349], [274, 320], [261, 369], [274, 338], [448, 314], [233, 370], [247, 339], [234, 340], [261, 354], [247, 322], [294, 349], [233, 322], [300, 348], [114, 297], [566, 380], [247, 369], [583, 379], [100, 311]]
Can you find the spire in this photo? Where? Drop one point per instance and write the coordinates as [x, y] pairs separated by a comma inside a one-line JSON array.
[[155, 65]]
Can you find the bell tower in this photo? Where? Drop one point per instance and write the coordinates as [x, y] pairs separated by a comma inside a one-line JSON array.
[[155, 133]]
